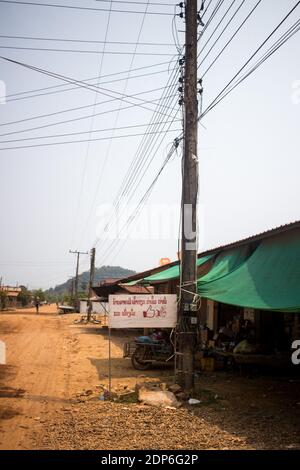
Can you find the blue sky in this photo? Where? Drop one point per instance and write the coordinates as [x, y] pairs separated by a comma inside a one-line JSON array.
[[248, 150]]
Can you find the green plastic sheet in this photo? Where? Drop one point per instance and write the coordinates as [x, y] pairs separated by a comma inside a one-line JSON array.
[[173, 272], [269, 278], [226, 262]]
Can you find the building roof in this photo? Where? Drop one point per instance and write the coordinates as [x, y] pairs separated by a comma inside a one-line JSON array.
[[137, 289], [10, 289], [110, 288], [11, 293], [253, 238], [109, 280]]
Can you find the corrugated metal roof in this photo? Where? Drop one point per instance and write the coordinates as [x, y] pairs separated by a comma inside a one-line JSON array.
[[136, 289], [253, 238]]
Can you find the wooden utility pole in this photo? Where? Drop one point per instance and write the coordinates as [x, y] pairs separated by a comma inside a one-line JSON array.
[[78, 253], [91, 282], [72, 288], [188, 288]]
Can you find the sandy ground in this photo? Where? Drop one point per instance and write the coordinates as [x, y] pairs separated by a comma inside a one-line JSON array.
[[50, 387]]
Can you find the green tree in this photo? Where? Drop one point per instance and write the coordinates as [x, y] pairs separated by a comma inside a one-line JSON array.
[[3, 298], [67, 299], [39, 294], [24, 296]]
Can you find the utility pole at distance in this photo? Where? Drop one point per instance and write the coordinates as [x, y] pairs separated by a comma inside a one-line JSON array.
[[91, 282], [188, 288], [78, 253]]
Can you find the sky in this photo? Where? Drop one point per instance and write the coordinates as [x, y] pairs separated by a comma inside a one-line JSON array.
[[61, 197]]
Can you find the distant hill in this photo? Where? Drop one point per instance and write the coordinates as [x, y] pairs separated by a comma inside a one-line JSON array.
[[105, 272]]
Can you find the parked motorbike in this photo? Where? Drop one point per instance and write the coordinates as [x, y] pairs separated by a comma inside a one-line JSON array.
[[144, 351]]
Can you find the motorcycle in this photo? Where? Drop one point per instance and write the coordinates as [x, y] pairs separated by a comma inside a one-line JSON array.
[[146, 350]]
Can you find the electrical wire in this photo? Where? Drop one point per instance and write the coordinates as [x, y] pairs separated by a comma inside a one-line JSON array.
[[207, 8], [213, 14], [144, 148], [54, 136], [80, 141], [67, 121], [70, 80], [141, 156], [133, 171], [84, 41], [140, 205], [55, 113], [140, 176], [279, 43], [83, 173], [77, 88], [136, 2], [72, 7], [62, 85], [231, 38], [112, 222], [107, 153], [217, 26], [101, 171], [82, 51], [212, 104]]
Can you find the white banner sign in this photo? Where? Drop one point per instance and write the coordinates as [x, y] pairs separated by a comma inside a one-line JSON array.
[[143, 311]]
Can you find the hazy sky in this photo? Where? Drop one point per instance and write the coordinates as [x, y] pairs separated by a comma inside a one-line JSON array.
[[52, 195]]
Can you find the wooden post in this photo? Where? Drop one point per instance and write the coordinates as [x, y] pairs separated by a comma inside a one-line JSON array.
[[188, 289], [78, 253], [91, 282]]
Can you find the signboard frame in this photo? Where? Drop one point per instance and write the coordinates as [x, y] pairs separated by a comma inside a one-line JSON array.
[[142, 311]]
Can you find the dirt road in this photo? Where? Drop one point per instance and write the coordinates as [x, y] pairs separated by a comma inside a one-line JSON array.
[[50, 390], [49, 360]]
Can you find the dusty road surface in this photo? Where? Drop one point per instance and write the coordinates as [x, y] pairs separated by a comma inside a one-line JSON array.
[[50, 393], [50, 362]]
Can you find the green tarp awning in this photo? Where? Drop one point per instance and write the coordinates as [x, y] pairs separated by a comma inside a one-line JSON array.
[[267, 279], [226, 262], [173, 272]]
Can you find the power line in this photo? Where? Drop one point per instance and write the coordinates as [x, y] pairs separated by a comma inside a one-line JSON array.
[[144, 149], [81, 51], [216, 28], [137, 161], [251, 57], [231, 38], [84, 41], [130, 181], [134, 126], [136, 3], [81, 141], [87, 80], [70, 80], [42, 116], [140, 163], [142, 201], [82, 117], [91, 125], [207, 8], [71, 7], [280, 42], [120, 106], [213, 14], [137, 174], [78, 88]]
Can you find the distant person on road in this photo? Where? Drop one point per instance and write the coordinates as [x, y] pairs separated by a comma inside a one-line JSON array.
[[37, 305]]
